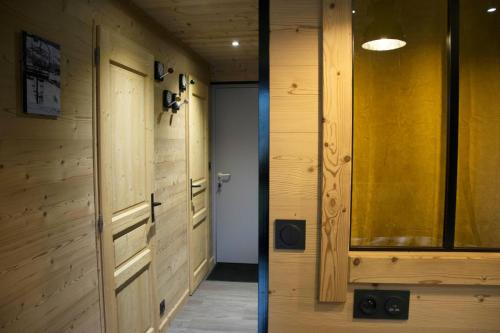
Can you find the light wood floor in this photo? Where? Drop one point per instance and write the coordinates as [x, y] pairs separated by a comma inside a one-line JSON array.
[[219, 307]]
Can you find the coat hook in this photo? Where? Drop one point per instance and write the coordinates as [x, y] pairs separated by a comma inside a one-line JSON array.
[[170, 70], [172, 101], [159, 71]]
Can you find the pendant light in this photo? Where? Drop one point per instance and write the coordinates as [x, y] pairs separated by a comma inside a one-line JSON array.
[[491, 7], [384, 33]]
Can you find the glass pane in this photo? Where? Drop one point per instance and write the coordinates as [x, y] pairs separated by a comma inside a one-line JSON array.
[[400, 89], [478, 195]]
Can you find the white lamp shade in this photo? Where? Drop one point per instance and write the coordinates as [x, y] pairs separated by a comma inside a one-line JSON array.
[[384, 44]]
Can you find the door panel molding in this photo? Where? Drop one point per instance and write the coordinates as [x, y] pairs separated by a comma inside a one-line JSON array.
[[124, 92], [197, 152]]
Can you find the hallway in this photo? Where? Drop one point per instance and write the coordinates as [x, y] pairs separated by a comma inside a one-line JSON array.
[[250, 166], [217, 307]]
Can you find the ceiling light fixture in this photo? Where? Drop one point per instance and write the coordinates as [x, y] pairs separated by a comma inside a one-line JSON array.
[[384, 44], [492, 10], [384, 32], [235, 43]]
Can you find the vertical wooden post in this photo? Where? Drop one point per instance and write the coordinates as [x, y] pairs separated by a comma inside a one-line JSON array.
[[337, 149]]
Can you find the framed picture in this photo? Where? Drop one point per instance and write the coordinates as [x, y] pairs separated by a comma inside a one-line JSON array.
[[41, 73]]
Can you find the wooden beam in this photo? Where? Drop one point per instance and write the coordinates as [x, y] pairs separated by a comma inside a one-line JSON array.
[[337, 149], [429, 268]]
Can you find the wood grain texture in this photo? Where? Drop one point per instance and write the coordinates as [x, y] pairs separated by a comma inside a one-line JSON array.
[[208, 27], [49, 273], [295, 193], [125, 113], [428, 268], [337, 148], [432, 309], [48, 263], [200, 224]]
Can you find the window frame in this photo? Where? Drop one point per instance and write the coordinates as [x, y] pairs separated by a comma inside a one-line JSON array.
[[341, 265], [451, 178]]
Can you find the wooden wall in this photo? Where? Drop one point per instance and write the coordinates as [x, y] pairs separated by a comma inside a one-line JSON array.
[[48, 259], [208, 27], [294, 186]]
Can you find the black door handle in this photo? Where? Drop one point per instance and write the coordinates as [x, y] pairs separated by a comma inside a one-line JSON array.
[[153, 205], [194, 186]]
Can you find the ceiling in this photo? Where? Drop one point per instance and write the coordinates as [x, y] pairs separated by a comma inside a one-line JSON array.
[[209, 27]]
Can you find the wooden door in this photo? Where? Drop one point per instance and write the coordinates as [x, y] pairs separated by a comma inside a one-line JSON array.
[[199, 227], [125, 146]]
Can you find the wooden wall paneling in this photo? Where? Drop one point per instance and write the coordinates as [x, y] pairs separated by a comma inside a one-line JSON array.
[[47, 211], [337, 150], [429, 268], [48, 261], [209, 27], [294, 305], [294, 127], [456, 309]]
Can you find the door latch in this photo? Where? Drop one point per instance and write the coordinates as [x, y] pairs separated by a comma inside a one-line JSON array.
[[153, 205]]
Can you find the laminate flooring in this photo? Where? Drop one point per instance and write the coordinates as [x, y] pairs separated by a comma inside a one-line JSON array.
[[219, 307]]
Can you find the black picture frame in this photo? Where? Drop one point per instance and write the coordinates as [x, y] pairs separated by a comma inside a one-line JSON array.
[[41, 76]]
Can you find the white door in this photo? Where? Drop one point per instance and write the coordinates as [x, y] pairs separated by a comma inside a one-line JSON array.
[[235, 172]]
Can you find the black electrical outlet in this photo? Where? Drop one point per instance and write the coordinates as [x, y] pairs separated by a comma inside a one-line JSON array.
[[162, 307], [381, 304], [290, 234]]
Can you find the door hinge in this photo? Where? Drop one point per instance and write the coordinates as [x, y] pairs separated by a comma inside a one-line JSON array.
[[97, 56], [100, 223]]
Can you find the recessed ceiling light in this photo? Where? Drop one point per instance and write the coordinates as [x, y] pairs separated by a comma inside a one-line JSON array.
[[235, 43], [354, 12], [492, 10]]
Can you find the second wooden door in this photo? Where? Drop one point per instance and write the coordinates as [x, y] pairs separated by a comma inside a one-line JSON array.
[[199, 224]]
